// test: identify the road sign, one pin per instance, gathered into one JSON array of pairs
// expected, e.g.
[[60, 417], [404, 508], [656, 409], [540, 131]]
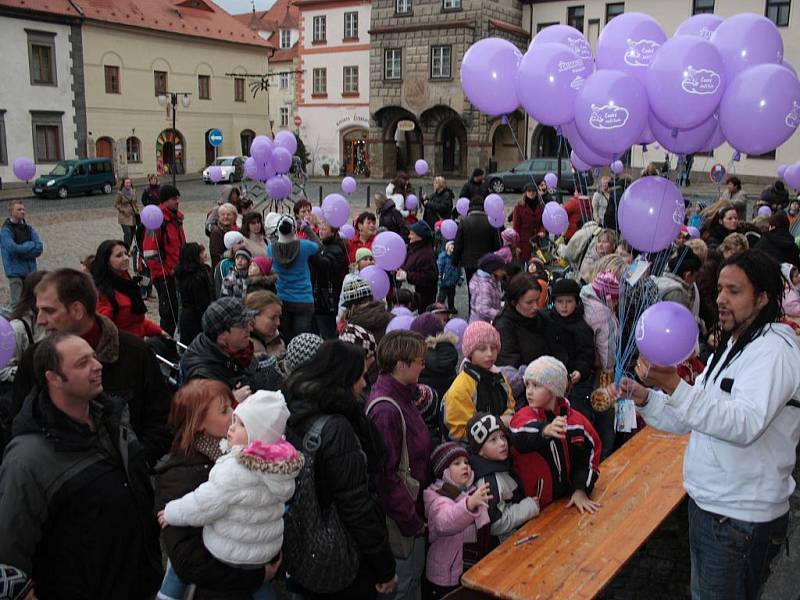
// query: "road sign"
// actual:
[[215, 137], [298, 121], [717, 173]]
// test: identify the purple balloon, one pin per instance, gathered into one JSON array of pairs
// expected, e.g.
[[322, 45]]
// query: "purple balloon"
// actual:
[[400, 310], [551, 179], [792, 176], [251, 168], [274, 187], [760, 109], [685, 82], [335, 210], [617, 167], [746, 40], [629, 43], [317, 212], [8, 342], [647, 136], [24, 168], [215, 174], [261, 148], [389, 250], [557, 74], [462, 206], [702, 26], [347, 232], [152, 217], [764, 211], [458, 327], [400, 323], [281, 159], [611, 112], [789, 66], [449, 229], [578, 163], [493, 205], [286, 139], [554, 218], [412, 202], [488, 73], [496, 221], [685, 141], [694, 232], [582, 150], [666, 333], [564, 34], [782, 170], [716, 140], [348, 185], [378, 281], [651, 213], [421, 167]]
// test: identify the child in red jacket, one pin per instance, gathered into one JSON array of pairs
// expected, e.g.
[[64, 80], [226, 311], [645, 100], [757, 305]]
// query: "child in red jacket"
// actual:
[[556, 450]]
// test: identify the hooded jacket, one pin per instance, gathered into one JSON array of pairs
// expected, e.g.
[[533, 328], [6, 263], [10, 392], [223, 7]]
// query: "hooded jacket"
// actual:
[[474, 238], [780, 245], [672, 288], [604, 323], [391, 218], [485, 297], [373, 317], [524, 339], [161, 248], [462, 400], [449, 274], [20, 246], [290, 264], [195, 292], [441, 362]]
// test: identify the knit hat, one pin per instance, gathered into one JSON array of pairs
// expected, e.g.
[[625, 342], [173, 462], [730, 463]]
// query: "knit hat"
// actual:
[[444, 455], [606, 285], [264, 264], [422, 229], [357, 335], [225, 313], [264, 415], [480, 427], [427, 325], [550, 373], [301, 350], [355, 291], [286, 229], [449, 246], [14, 583], [363, 253], [490, 263], [166, 192], [243, 252], [509, 236], [565, 287], [477, 334], [515, 380]]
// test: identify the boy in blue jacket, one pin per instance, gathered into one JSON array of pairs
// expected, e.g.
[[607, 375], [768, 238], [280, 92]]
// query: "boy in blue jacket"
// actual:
[[450, 276]]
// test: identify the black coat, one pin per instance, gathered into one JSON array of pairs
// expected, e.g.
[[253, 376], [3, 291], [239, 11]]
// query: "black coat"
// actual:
[[421, 271], [439, 206], [392, 219], [472, 189], [328, 269], [441, 362], [196, 292], [524, 339], [175, 476], [474, 238], [578, 341], [780, 245]]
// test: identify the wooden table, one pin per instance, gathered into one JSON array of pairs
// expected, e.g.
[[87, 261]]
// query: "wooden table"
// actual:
[[576, 556]]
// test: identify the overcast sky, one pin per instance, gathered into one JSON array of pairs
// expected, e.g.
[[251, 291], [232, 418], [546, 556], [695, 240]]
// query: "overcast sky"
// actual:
[[241, 6]]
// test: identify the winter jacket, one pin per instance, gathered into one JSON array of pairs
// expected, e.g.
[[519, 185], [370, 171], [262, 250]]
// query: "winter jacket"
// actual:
[[328, 270], [439, 206], [526, 219], [485, 295], [672, 288], [472, 188], [599, 206], [355, 244], [175, 476], [577, 340], [409, 514], [235, 284], [420, 268], [604, 323], [577, 249], [780, 245], [216, 242], [579, 209], [162, 248], [462, 400], [20, 246], [441, 362], [150, 195], [524, 339], [551, 468], [714, 233], [397, 198], [373, 317], [474, 238], [127, 210], [73, 500], [125, 319], [195, 293], [450, 525], [290, 264], [508, 508], [391, 219], [450, 275], [241, 505], [130, 372], [739, 201]]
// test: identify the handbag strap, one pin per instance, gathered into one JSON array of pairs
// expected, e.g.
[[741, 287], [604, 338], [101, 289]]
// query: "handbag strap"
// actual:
[[403, 467], [313, 437]]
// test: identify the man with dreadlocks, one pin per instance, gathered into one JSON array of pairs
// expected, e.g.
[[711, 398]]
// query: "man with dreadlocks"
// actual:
[[743, 413]]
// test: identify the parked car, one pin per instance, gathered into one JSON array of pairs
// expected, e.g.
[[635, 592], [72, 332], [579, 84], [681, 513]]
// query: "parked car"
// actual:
[[232, 168], [81, 176], [516, 178]]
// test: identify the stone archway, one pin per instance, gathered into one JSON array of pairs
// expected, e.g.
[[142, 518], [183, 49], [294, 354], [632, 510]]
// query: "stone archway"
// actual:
[[354, 153], [447, 130], [170, 145], [400, 141], [544, 142]]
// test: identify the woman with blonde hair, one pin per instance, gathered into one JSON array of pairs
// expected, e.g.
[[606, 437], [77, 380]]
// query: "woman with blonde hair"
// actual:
[[734, 243], [226, 221], [265, 335]]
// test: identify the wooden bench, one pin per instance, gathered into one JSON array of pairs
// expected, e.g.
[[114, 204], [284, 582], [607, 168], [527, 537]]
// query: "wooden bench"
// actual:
[[576, 556]]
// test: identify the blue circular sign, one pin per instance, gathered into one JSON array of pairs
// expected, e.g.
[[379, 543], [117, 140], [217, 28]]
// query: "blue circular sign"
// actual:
[[215, 137]]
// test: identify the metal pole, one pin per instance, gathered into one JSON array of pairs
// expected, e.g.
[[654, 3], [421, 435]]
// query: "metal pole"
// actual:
[[320, 195], [174, 100], [369, 195]]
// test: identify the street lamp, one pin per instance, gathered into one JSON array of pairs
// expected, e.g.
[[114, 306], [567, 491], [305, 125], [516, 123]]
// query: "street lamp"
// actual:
[[171, 98]]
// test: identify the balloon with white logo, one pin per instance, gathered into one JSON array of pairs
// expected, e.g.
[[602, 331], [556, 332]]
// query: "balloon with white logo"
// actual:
[[630, 42], [569, 36], [746, 40]]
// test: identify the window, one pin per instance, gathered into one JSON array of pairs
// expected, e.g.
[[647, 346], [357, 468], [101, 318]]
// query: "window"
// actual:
[[3, 150], [392, 63], [320, 82], [133, 148], [247, 136], [766, 156], [700, 7], [238, 89], [48, 139], [112, 79], [42, 57], [283, 81], [350, 81], [540, 26], [204, 87], [160, 78], [451, 5], [286, 38], [319, 29], [402, 7], [284, 111], [614, 9], [778, 12], [575, 17], [350, 25], [440, 62]]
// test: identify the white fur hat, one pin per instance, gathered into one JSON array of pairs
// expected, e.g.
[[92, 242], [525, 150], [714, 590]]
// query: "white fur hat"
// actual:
[[264, 415]]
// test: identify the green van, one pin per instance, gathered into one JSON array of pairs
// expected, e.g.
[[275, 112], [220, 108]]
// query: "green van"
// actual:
[[81, 176]]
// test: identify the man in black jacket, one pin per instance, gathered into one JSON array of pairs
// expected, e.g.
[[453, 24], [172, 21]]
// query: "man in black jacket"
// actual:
[[474, 238], [439, 205], [476, 186], [75, 494]]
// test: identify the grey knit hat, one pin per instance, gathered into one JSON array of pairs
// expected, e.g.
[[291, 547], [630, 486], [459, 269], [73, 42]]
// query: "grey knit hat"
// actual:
[[301, 350]]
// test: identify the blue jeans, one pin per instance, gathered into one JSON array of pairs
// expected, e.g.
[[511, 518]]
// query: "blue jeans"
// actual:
[[731, 558], [296, 321], [172, 588]]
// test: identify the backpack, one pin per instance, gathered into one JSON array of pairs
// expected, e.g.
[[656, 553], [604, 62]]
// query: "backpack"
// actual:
[[318, 552]]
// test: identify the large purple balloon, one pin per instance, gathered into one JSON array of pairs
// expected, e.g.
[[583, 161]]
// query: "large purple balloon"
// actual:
[[746, 40], [666, 333], [335, 210], [348, 185], [760, 109], [261, 148], [24, 168], [251, 168], [488, 73], [347, 232], [411, 202], [378, 281], [152, 217], [611, 112], [551, 179], [317, 212], [790, 66], [8, 342], [578, 162], [587, 155], [792, 176], [449, 229], [647, 136], [286, 139], [421, 167], [564, 34], [458, 327], [281, 159], [617, 167], [683, 141], [274, 186], [554, 218], [651, 213], [389, 250], [782, 170], [702, 26], [215, 174], [400, 323], [716, 140], [496, 221], [685, 82], [557, 74], [462, 206], [493, 205], [629, 43]]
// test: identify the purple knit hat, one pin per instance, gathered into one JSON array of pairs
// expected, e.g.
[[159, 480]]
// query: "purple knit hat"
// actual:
[[606, 285], [444, 455], [427, 325]]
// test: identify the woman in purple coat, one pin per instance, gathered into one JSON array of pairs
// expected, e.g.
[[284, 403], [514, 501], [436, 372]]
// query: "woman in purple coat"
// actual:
[[420, 267]]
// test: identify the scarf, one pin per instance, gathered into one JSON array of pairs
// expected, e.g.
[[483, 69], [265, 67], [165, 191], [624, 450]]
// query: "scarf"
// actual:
[[492, 396], [242, 357], [20, 231], [93, 336], [127, 193], [125, 285], [208, 446]]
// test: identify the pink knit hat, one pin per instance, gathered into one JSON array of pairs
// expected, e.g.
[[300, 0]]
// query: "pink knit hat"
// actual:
[[264, 264], [606, 285], [509, 236], [477, 334]]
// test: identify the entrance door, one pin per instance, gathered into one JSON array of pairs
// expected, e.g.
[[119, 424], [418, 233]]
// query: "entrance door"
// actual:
[[211, 152], [354, 149], [545, 142], [104, 148], [170, 148]]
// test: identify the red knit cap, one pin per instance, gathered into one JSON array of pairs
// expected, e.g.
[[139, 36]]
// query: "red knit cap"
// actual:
[[477, 334]]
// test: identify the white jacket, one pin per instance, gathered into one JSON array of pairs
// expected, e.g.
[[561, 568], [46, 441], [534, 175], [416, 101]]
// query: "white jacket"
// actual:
[[741, 451], [512, 515], [240, 507]]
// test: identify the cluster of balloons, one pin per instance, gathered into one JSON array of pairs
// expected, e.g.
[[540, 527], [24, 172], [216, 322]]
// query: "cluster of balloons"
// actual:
[[790, 174], [24, 168], [714, 81], [270, 160]]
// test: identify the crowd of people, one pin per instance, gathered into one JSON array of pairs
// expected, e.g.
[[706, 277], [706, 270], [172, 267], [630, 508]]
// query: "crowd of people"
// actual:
[[275, 433]]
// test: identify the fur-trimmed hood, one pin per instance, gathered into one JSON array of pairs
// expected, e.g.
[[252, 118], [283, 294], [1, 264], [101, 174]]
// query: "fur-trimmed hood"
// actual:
[[446, 336]]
